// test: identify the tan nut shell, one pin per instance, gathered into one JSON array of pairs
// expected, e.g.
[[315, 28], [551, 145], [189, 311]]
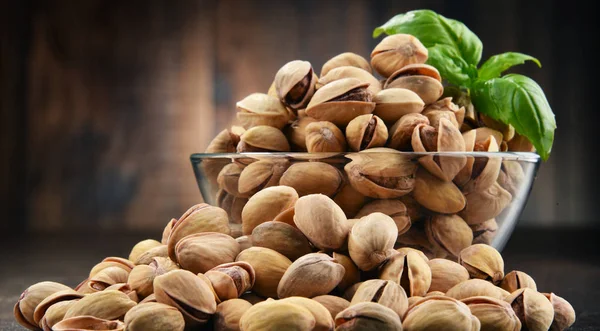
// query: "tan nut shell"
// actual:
[[484, 233], [493, 314], [287, 79], [367, 316], [515, 280], [296, 132], [371, 240], [261, 109], [312, 178], [141, 248], [349, 199], [55, 314], [30, 298], [410, 271], [481, 172], [437, 195], [391, 207], [447, 109], [269, 266], [351, 72], [277, 315], [393, 103], [343, 60], [263, 138], [108, 304], [383, 292], [231, 280], [351, 274], [282, 238], [201, 252], [229, 177], [427, 88], [259, 175], [321, 221], [564, 314], [448, 234], [338, 112], [228, 314], [324, 136], [483, 261], [265, 205], [445, 274], [533, 309], [511, 177], [484, 205], [60, 296], [332, 303], [476, 287], [366, 131], [401, 132], [439, 313], [311, 275], [154, 316], [85, 323], [395, 52]]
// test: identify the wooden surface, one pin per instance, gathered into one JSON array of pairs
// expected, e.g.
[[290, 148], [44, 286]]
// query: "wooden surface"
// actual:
[[565, 262]]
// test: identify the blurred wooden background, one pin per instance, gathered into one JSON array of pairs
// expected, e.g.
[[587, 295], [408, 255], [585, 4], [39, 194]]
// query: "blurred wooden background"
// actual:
[[104, 101]]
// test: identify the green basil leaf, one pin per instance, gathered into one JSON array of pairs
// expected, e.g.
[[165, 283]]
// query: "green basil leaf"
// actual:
[[497, 64], [450, 65], [518, 100], [434, 29]]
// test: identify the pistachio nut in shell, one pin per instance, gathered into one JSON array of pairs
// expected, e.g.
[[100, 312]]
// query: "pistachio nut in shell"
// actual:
[[231, 280], [112, 261], [199, 218], [351, 72], [534, 310], [520, 144], [511, 177], [350, 291], [391, 207], [326, 137], [286, 216], [201, 252], [484, 233], [395, 52], [422, 79], [479, 173], [449, 234], [259, 175], [382, 175], [400, 134], [60, 296], [277, 315], [265, 205], [85, 323], [445, 274], [55, 314], [393, 103], [439, 313], [409, 271], [148, 256], [263, 138], [323, 319], [295, 83], [436, 194], [406, 250], [269, 266], [229, 178], [332, 303], [341, 101], [515, 280], [107, 277], [367, 316], [483, 261], [225, 142], [106, 305], [154, 316], [366, 131], [311, 275], [234, 206], [442, 108], [141, 278], [169, 227], [493, 314], [476, 287], [261, 109], [30, 298], [416, 238], [351, 274], [349, 199], [371, 240], [228, 314], [507, 130], [282, 238], [383, 292], [296, 133], [141, 247], [344, 60], [312, 178], [564, 314], [321, 220], [125, 288], [484, 205]]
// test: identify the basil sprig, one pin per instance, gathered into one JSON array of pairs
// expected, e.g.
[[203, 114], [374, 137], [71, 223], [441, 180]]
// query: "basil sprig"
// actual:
[[456, 52]]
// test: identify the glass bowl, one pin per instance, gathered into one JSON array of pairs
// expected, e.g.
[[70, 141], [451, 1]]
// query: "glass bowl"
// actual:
[[487, 191]]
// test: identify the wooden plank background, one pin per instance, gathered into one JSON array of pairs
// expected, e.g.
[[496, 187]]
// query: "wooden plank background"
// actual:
[[104, 101]]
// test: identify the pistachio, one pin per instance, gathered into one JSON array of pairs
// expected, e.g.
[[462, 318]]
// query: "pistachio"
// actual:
[[263, 138], [414, 299], [413, 208], [476, 287], [367, 316], [259, 175], [286, 216], [323, 319], [265, 205], [269, 267], [511, 177], [422, 79], [228, 314], [109, 305], [154, 317], [520, 144], [515, 280], [439, 313], [448, 234], [229, 178], [351, 274], [312, 178], [261, 109], [481, 206], [244, 242], [401, 132], [564, 314], [343, 60], [483, 261], [507, 130], [107, 277], [383, 292], [324, 136], [395, 52], [49, 301], [350, 291], [296, 133], [484, 233], [480, 172], [366, 131], [533, 309], [85, 323], [252, 298], [371, 240], [54, 314], [382, 175], [351, 72], [231, 280], [141, 278], [311, 275], [393, 103], [30, 298], [150, 298], [295, 84], [493, 314], [445, 108], [277, 315], [445, 274], [340, 101], [201, 252], [321, 221], [436, 194], [406, 250], [409, 271], [332, 303], [281, 237], [225, 142], [167, 231], [142, 247], [393, 208], [349, 199], [148, 256], [434, 293], [416, 238], [112, 261], [125, 288]]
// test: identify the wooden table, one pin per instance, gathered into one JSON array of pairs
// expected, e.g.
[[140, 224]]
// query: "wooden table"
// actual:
[[566, 262]]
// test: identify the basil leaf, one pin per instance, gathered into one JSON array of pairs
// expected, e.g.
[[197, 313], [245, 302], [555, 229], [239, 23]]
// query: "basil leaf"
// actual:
[[450, 65], [519, 101], [497, 64], [433, 29]]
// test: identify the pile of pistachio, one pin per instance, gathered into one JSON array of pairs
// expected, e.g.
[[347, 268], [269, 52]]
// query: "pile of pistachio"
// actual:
[[316, 270]]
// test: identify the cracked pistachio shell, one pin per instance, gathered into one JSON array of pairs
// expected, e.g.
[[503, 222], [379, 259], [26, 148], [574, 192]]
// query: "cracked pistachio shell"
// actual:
[[413, 209], [507, 130], [167, 231], [344, 60], [228, 314], [190, 294], [515, 280], [393, 103], [484, 233], [484, 205], [448, 234], [225, 142], [439, 313], [422, 79], [381, 175], [30, 298], [54, 314], [229, 178], [85, 323], [326, 106], [494, 314], [311, 275], [125, 288], [323, 319], [371, 240], [437, 195], [367, 316], [351, 72], [520, 144], [295, 83], [406, 250], [263, 138], [483, 261], [312, 178], [349, 199], [154, 316], [234, 206], [198, 219], [397, 51], [265, 205], [384, 292], [142, 247], [324, 136], [366, 131], [410, 271], [443, 138], [281, 237], [261, 109], [564, 314], [201, 252], [447, 109], [321, 221], [350, 291], [296, 133], [277, 315], [332, 303], [393, 208], [476, 287], [112, 261], [269, 266], [511, 177], [231, 280], [259, 175], [402, 131], [534, 310], [107, 277], [60, 296], [445, 274], [351, 274], [147, 256], [479, 173], [108, 304]]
